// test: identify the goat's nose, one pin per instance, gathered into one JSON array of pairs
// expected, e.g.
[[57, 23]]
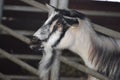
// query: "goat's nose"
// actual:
[[34, 40]]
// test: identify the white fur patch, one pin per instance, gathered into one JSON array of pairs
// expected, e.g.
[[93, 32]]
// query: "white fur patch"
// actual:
[[44, 61], [51, 16], [53, 38], [48, 53], [39, 33]]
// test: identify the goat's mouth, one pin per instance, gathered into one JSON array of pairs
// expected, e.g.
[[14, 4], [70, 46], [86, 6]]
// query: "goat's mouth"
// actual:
[[36, 47], [36, 44]]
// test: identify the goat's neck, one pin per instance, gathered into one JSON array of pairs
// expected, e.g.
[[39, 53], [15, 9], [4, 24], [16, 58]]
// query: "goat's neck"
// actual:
[[83, 45]]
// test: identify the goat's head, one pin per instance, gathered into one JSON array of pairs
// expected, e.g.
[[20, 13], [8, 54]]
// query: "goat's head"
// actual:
[[58, 29], [58, 32]]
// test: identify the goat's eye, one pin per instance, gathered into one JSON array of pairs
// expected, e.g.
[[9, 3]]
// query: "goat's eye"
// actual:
[[58, 24]]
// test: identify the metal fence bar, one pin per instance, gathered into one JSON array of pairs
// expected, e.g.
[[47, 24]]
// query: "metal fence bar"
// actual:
[[22, 32], [55, 70], [3, 77], [36, 57], [25, 77], [19, 62], [63, 4], [54, 73], [87, 12], [13, 33], [101, 13], [22, 8], [106, 31], [22, 77], [97, 27], [36, 4], [83, 68]]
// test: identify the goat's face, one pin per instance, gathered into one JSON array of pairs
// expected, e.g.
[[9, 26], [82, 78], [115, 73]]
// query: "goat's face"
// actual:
[[59, 29]]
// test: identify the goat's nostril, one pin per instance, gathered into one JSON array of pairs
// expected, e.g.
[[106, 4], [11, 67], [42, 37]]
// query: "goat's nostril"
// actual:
[[35, 39]]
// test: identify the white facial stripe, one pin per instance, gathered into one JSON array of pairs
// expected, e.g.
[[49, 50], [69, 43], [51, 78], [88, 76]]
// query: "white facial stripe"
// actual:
[[53, 38]]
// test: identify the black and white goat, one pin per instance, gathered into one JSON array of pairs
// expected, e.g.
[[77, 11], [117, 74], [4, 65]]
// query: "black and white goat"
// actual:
[[72, 30]]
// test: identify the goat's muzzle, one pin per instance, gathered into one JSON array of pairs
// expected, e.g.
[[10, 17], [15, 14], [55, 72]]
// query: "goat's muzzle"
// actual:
[[36, 44]]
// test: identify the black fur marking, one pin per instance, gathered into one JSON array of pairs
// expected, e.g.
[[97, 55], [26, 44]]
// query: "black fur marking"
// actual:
[[71, 21], [71, 13], [64, 29], [54, 18], [52, 59], [65, 22]]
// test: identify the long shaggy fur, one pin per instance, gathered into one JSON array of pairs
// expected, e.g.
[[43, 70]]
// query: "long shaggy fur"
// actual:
[[106, 54]]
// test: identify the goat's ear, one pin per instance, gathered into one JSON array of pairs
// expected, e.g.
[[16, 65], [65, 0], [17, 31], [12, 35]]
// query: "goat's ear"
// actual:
[[50, 7]]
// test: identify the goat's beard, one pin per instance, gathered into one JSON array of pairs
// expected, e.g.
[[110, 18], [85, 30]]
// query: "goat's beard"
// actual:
[[46, 62]]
